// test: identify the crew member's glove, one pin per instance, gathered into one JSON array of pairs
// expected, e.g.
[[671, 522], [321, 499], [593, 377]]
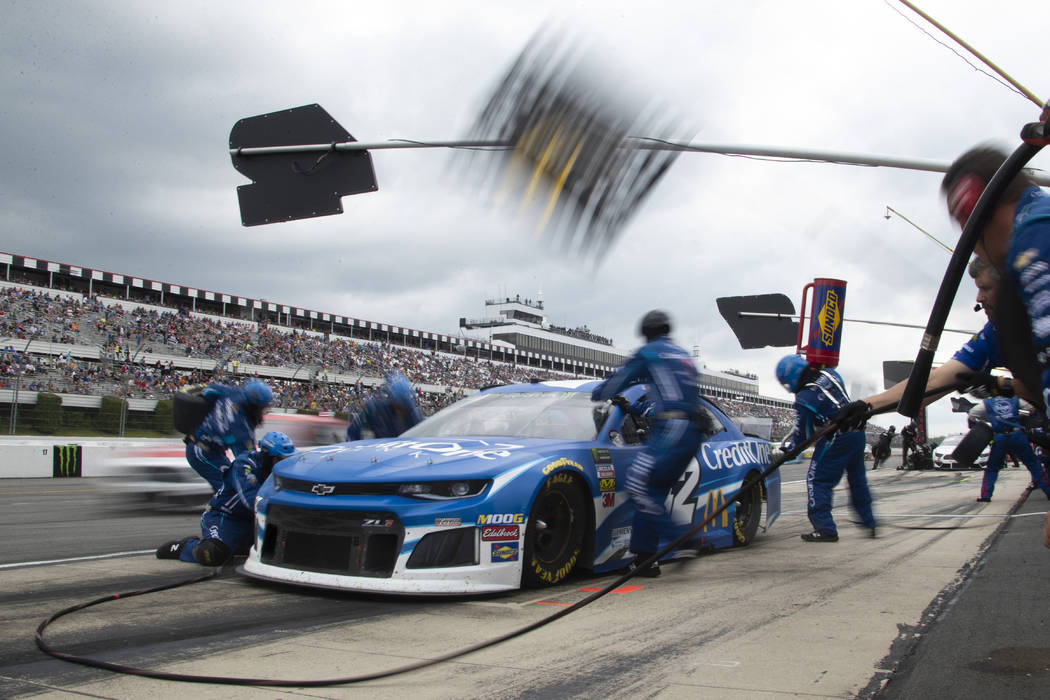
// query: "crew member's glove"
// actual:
[[984, 385], [852, 416], [621, 401]]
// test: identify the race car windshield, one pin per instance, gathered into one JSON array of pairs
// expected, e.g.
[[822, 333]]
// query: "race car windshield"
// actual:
[[555, 415]]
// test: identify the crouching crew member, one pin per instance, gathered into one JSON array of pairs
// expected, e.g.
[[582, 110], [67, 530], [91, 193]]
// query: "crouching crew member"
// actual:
[[230, 425], [675, 437], [227, 525], [819, 396], [1004, 416]]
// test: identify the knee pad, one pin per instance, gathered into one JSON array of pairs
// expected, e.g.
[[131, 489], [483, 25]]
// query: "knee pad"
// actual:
[[212, 552]]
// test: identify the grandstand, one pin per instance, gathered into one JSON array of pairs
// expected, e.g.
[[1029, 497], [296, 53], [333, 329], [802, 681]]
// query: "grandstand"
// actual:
[[84, 334]]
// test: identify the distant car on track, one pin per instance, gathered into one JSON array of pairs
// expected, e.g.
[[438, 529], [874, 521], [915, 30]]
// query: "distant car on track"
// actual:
[[513, 486], [942, 454], [159, 476]]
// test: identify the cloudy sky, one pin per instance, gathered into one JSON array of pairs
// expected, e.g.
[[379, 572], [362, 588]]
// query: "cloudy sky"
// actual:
[[116, 120]]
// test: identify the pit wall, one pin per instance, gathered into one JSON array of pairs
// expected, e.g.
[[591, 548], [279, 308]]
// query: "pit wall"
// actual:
[[70, 457]]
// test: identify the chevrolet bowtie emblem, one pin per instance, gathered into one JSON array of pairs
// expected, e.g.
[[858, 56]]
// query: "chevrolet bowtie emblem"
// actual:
[[322, 489]]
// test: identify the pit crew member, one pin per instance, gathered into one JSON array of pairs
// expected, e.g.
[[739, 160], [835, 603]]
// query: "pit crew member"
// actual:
[[1003, 414], [819, 396], [676, 431], [228, 521], [229, 426], [390, 415]]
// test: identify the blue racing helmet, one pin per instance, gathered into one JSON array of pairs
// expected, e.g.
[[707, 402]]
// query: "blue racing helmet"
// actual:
[[789, 371], [400, 389], [278, 445], [257, 393]]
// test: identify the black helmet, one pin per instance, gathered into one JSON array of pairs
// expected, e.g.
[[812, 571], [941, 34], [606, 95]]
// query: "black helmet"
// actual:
[[654, 324]]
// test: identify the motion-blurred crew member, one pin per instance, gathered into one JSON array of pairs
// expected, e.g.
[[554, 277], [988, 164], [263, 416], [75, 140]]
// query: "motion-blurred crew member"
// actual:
[[388, 415], [675, 437], [227, 525], [229, 426], [880, 451]]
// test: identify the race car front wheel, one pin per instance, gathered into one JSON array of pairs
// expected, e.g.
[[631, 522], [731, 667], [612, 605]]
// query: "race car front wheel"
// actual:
[[555, 531], [748, 514]]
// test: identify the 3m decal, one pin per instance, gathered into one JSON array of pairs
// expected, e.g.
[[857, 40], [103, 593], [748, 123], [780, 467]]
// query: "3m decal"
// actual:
[[608, 500], [504, 552], [500, 533]]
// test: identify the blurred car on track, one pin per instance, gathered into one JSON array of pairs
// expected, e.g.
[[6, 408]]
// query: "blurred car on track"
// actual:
[[513, 486], [156, 474]]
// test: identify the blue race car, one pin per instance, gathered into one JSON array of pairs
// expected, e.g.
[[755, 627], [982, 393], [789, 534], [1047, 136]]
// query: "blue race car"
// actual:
[[513, 486]]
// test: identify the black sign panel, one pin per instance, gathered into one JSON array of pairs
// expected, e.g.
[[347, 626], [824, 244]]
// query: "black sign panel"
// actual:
[[297, 185], [760, 331]]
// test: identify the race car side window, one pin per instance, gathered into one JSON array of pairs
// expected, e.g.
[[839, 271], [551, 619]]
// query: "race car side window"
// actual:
[[634, 429], [710, 424]]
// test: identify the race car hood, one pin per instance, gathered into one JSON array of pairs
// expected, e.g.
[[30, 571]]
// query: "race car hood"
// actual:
[[401, 459]]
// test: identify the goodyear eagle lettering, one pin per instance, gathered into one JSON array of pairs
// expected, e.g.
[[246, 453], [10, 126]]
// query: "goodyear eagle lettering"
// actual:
[[563, 462]]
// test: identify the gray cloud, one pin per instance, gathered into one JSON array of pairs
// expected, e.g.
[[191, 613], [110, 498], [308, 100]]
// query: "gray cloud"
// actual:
[[117, 114]]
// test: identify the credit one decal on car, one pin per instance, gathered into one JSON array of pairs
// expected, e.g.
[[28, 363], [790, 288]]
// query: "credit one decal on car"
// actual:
[[736, 455]]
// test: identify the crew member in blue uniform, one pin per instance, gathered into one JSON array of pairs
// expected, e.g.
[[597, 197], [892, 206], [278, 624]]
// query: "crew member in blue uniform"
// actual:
[[1003, 414], [1016, 241], [228, 521], [973, 362], [676, 433], [819, 395], [229, 426], [388, 415]]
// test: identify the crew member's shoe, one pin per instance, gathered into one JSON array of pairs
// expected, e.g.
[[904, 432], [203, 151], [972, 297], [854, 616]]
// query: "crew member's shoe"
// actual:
[[874, 533], [820, 537], [171, 550], [982, 499], [651, 571]]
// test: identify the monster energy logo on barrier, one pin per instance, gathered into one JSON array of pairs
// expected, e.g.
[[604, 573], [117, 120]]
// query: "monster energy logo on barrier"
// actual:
[[66, 460]]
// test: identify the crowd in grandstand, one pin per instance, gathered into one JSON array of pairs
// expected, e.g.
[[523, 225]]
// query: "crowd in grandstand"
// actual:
[[125, 335]]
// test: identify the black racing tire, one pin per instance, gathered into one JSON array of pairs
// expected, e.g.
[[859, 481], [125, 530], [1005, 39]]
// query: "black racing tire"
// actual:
[[554, 535], [748, 515]]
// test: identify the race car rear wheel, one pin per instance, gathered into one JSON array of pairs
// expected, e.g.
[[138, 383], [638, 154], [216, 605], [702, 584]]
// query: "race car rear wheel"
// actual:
[[748, 514], [555, 532]]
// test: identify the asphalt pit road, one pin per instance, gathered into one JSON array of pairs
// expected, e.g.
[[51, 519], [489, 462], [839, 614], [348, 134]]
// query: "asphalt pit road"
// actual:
[[1015, 660]]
